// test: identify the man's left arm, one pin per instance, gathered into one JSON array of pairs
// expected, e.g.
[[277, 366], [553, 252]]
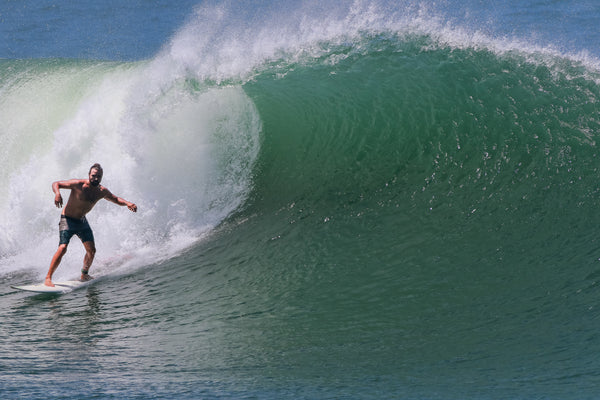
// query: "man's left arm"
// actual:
[[117, 200]]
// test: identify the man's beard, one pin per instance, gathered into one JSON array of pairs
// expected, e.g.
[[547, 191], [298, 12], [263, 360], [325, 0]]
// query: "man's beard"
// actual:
[[94, 183]]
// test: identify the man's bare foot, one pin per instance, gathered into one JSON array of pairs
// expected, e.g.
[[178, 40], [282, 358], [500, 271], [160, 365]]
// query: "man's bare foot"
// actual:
[[48, 282], [86, 277]]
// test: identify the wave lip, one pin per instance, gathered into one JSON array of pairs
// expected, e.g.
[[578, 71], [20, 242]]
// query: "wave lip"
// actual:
[[224, 44]]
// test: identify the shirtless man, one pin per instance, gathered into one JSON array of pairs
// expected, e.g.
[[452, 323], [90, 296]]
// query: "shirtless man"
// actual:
[[85, 193]]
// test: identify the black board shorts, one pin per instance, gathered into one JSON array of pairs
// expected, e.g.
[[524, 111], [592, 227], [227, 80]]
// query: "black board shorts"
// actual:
[[67, 227]]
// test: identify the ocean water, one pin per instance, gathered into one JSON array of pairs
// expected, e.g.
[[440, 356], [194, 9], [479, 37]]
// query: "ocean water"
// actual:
[[356, 200]]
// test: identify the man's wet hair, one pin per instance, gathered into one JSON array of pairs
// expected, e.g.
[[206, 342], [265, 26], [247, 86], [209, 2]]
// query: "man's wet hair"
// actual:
[[96, 166]]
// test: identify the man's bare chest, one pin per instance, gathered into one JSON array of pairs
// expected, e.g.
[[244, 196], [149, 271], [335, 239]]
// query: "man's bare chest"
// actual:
[[86, 195]]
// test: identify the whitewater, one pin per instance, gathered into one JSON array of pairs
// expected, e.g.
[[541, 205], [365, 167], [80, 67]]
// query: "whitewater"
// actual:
[[360, 200]]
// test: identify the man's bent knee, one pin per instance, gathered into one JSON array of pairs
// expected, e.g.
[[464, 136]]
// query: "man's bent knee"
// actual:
[[90, 248]]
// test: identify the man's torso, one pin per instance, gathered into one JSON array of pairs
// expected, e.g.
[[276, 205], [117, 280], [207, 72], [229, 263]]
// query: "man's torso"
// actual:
[[82, 199]]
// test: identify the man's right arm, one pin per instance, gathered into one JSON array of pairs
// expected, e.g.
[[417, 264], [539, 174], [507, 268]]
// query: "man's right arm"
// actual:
[[56, 186]]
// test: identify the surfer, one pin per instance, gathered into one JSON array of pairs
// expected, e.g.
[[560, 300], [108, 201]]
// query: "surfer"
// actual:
[[85, 193]]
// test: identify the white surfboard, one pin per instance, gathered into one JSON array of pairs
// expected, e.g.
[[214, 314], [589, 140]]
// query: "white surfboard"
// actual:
[[59, 287]]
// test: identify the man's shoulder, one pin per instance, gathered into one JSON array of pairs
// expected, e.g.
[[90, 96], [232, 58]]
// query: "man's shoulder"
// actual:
[[71, 183], [104, 190], [108, 192]]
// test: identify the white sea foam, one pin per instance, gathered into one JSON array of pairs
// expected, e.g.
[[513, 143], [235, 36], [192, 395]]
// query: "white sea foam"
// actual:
[[219, 44], [182, 154]]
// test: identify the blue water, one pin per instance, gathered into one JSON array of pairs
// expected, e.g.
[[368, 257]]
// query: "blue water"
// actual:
[[352, 200]]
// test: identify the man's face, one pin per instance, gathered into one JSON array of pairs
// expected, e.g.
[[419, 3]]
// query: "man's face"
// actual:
[[95, 177]]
